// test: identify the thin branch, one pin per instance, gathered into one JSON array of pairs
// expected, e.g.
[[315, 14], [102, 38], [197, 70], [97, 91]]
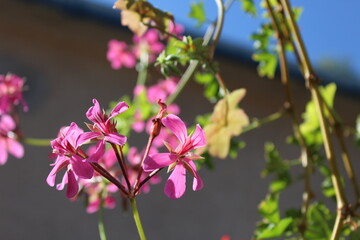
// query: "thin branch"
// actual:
[[122, 164], [98, 168], [305, 152], [312, 82]]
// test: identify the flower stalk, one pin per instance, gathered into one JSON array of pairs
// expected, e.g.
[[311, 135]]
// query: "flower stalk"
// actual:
[[137, 219]]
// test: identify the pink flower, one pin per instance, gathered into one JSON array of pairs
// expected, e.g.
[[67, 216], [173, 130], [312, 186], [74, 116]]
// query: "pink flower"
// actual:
[[162, 90], [11, 87], [135, 159], [138, 125], [94, 205], [103, 128], [149, 43], [179, 159], [119, 55], [176, 29], [69, 156], [96, 188], [8, 142]]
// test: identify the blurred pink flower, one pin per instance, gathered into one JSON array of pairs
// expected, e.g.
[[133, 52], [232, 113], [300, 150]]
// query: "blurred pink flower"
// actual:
[[138, 125], [162, 90], [96, 188], [11, 88], [148, 43], [8, 143], [179, 159], [134, 159], [119, 55], [176, 29]]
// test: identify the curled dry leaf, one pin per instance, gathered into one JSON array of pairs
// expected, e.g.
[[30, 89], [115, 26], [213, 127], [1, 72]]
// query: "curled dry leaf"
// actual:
[[139, 15]]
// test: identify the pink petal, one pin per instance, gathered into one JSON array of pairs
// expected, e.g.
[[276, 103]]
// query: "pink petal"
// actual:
[[3, 151], [94, 112], [87, 136], [176, 184], [159, 160], [198, 137], [64, 181], [82, 169], [59, 164], [98, 153], [119, 108], [197, 182], [110, 202], [7, 123], [93, 206], [15, 148], [176, 125], [115, 138], [72, 187]]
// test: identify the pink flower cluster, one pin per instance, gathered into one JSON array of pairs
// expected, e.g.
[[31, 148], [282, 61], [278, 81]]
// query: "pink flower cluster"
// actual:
[[120, 54], [95, 171], [161, 90], [11, 88]]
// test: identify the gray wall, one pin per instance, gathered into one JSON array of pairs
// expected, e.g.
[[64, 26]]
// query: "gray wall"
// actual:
[[63, 58]]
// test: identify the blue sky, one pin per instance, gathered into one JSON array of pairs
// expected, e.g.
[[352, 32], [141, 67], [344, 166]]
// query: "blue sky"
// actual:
[[330, 28]]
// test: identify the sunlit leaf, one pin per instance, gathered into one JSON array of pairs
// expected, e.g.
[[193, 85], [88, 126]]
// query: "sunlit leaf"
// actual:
[[357, 134], [197, 12], [320, 222], [267, 64], [276, 230], [269, 208], [249, 7], [310, 128]]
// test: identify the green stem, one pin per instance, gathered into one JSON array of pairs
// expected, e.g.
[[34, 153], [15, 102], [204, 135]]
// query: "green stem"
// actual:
[[137, 219], [142, 68], [261, 122], [101, 225], [37, 142], [222, 8]]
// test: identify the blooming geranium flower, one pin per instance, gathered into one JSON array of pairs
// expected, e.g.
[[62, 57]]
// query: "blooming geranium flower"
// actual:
[[119, 55], [7, 141], [69, 156], [226, 121], [178, 159], [104, 128], [11, 87]]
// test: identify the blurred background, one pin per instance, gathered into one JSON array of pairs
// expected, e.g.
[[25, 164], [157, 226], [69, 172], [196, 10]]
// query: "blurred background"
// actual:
[[60, 47]]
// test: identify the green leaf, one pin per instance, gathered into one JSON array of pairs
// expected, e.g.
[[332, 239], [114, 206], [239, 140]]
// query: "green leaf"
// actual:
[[197, 12], [276, 230], [357, 134], [267, 64], [204, 78], [297, 12], [320, 222], [249, 7], [269, 208], [355, 235], [275, 164], [310, 128]]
